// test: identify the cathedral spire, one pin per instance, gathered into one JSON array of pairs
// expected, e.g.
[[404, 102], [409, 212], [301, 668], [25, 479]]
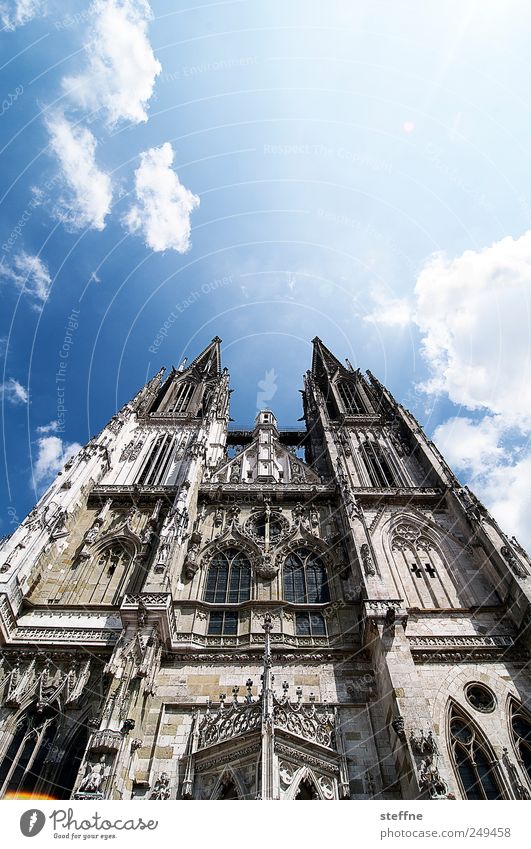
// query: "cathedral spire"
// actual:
[[323, 360], [208, 362]]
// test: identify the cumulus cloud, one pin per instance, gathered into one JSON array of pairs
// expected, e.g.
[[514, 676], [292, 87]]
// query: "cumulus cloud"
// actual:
[[471, 446], [13, 392], [30, 275], [49, 428], [164, 205], [52, 455], [20, 12], [475, 318], [389, 311], [89, 192], [474, 315], [121, 68]]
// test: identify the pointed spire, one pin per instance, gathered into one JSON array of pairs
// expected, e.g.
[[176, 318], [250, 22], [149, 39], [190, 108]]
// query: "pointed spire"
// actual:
[[208, 361], [324, 360]]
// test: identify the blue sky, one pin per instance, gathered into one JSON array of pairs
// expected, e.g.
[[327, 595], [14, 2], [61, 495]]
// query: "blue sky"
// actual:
[[267, 171]]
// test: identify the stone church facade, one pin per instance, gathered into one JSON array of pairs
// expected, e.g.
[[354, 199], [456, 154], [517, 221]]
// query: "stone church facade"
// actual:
[[194, 611]]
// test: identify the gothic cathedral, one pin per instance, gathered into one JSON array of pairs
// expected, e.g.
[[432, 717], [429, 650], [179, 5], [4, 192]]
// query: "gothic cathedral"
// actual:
[[197, 611]]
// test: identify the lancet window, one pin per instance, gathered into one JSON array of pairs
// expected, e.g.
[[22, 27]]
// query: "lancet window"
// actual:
[[377, 464], [305, 578], [350, 398], [473, 761], [228, 582], [159, 461]]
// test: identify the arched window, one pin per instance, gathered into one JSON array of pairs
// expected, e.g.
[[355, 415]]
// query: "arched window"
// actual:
[[521, 735], [306, 791], [472, 759], [24, 759], [229, 578], [158, 462], [182, 397], [108, 571], [377, 465], [349, 398], [305, 578]]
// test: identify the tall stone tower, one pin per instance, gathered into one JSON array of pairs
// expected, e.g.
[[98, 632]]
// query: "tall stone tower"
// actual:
[[195, 611]]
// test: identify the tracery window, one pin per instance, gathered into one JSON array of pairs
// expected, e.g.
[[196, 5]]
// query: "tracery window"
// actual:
[[267, 528], [32, 744], [521, 735], [377, 464], [113, 557], [472, 759], [350, 398], [229, 578], [305, 578]]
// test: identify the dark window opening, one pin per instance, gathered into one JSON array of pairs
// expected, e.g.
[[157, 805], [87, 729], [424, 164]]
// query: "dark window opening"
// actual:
[[310, 624], [223, 623]]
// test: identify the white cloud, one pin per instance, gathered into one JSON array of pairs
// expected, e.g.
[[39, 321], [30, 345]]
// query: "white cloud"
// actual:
[[14, 392], [89, 189], [474, 313], [49, 428], [53, 454], [389, 311], [471, 446], [20, 12], [29, 274], [121, 69], [507, 492], [474, 316], [162, 213]]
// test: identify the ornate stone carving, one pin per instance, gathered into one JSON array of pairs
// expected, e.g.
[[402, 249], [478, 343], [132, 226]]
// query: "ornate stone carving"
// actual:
[[512, 560], [161, 788], [92, 781], [430, 779], [265, 567], [366, 558]]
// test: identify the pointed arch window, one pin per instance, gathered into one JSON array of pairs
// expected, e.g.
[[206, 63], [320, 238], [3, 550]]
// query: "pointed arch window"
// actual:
[[350, 398], [305, 578], [182, 397], [473, 761], [24, 759], [229, 578], [34, 745], [521, 736], [158, 462], [378, 466]]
